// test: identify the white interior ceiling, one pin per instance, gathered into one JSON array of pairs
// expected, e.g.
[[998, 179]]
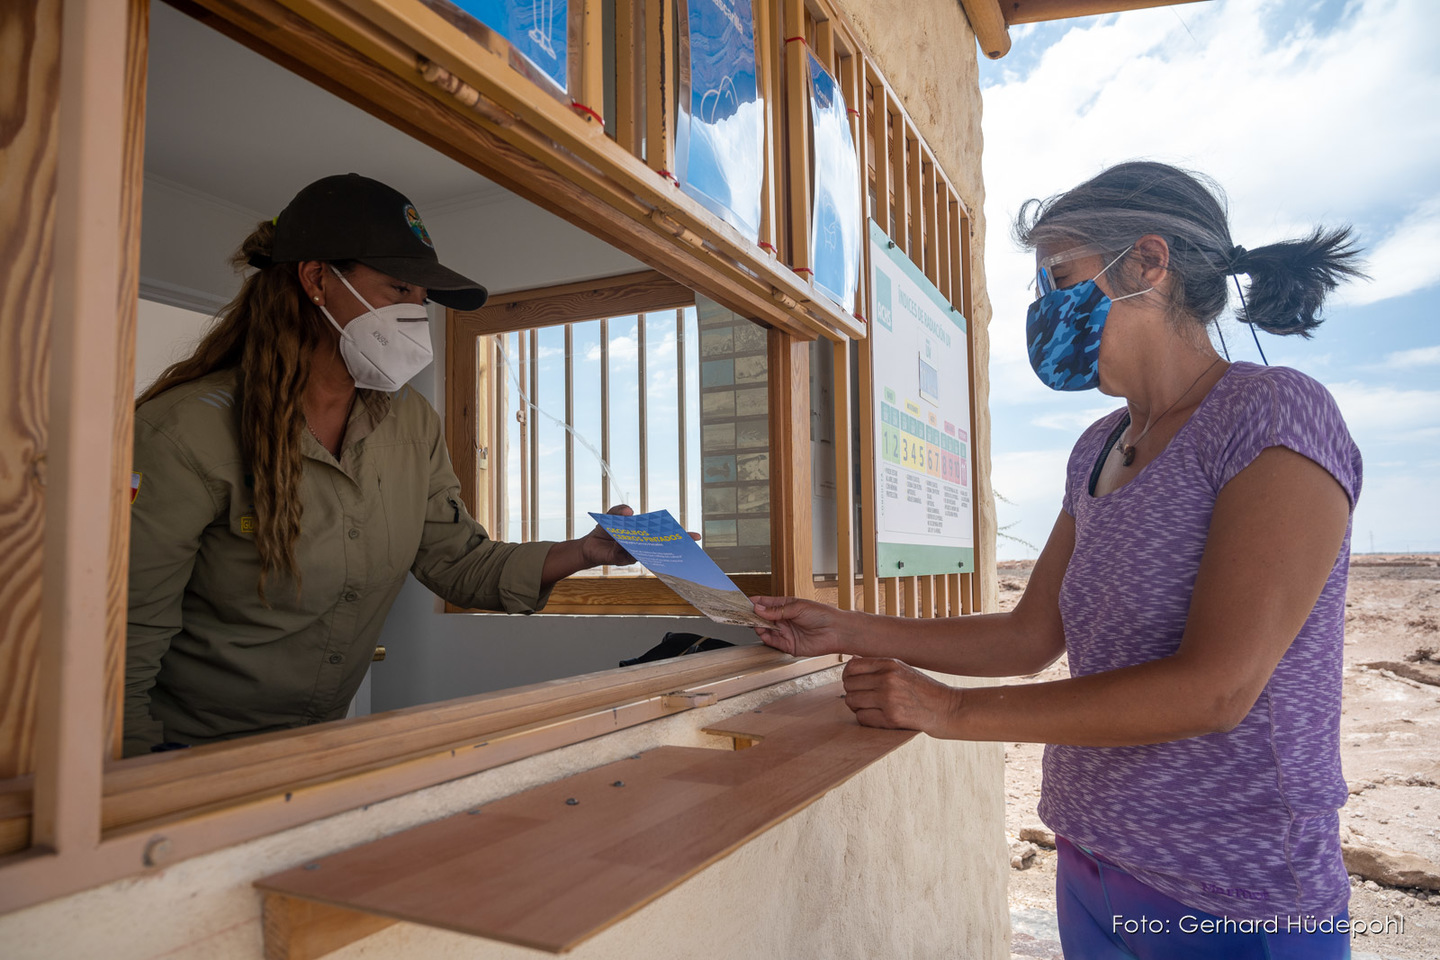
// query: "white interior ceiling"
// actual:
[[230, 137]]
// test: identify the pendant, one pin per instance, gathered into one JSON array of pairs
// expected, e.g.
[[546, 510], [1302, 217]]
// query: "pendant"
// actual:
[[1127, 455]]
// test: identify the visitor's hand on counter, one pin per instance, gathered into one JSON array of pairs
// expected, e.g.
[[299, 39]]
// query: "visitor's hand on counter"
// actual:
[[891, 694]]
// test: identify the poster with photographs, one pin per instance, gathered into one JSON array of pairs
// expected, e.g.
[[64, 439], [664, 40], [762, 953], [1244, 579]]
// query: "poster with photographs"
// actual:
[[925, 520], [536, 30], [835, 217]]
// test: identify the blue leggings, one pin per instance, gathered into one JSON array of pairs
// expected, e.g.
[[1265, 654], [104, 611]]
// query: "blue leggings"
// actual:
[[1106, 914]]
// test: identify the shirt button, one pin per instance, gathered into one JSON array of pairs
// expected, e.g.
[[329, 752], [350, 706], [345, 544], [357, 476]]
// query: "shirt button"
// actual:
[[337, 658], [354, 534], [350, 596]]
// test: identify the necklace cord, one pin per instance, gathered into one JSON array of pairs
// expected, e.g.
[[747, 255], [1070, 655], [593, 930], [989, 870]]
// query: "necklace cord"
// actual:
[[1127, 450]]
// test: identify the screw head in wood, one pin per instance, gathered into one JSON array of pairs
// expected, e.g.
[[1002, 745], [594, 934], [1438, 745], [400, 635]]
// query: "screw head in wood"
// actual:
[[572, 802], [618, 783], [157, 851]]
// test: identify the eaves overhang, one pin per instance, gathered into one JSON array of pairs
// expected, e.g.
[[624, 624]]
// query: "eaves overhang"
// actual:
[[991, 19]]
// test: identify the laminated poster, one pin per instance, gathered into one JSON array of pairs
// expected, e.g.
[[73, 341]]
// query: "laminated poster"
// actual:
[[720, 133], [836, 218], [539, 30], [667, 551], [919, 348]]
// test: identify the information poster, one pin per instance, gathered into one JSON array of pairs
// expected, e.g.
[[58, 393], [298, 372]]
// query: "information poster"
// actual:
[[720, 133], [662, 545], [539, 30], [835, 218], [923, 480]]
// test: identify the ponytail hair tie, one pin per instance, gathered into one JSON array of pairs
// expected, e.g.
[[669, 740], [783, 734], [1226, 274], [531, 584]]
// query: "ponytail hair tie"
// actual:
[[1237, 260]]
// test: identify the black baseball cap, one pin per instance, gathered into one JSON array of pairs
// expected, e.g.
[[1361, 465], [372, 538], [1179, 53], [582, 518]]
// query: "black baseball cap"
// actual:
[[350, 217]]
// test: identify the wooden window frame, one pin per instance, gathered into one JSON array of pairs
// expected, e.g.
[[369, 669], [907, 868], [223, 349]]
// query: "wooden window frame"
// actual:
[[71, 819], [472, 425]]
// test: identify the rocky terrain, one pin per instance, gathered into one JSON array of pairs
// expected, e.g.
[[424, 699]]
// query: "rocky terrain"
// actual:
[[1390, 746]]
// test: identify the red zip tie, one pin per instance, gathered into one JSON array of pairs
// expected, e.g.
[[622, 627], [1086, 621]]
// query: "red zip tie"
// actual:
[[803, 270], [588, 111], [668, 176], [793, 39], [859, 316], [852, 111], [766, 247]]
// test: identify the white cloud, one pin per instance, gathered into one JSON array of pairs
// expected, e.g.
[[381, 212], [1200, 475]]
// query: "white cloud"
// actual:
[[1073, 421], [1407, 260], [1386, 414], [1410, 359]]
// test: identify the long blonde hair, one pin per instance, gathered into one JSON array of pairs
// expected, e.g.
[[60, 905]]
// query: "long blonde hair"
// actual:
[[267, 333]]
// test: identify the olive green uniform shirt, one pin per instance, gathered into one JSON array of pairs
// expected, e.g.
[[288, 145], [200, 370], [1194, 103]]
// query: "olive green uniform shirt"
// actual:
[[206, 658]]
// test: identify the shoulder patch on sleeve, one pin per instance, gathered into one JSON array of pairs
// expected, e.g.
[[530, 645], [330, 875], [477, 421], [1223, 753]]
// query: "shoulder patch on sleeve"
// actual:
[[135, 479]]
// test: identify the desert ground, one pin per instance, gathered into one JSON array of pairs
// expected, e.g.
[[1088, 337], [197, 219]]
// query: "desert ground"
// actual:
[[1390, 747]]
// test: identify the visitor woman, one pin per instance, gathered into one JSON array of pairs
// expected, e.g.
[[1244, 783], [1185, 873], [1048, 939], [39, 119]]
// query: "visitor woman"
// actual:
[[1194, 578]]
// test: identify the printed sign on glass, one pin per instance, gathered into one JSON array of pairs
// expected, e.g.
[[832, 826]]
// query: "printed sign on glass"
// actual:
[[539, 30], [835, 216], [920, 356], [720, 130]]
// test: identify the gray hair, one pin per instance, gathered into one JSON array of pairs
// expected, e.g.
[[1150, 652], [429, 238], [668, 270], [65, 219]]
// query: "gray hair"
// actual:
[[1288, 280]]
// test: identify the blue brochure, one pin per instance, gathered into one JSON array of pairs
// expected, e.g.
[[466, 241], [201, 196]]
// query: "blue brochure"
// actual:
[[667, 551]]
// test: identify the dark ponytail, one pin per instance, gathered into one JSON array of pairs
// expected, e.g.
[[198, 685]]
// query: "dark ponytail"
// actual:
[[1290, 280]]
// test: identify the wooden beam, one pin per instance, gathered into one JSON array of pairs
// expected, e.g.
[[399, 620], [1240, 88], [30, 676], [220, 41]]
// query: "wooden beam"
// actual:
[[797, 146], [1037, 11], [991, 30], [71, 715], [629, 122], [791, 531], [844, 481], [592, 61], [27, 260], [296, 929], [659, 89]]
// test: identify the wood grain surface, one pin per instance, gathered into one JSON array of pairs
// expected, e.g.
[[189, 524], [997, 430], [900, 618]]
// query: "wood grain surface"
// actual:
[[553, 866], [29, 137]]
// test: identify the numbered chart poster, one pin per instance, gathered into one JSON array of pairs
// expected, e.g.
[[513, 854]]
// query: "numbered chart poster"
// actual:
[[835, 219], [720, 128], [538, 30], [923, 481]]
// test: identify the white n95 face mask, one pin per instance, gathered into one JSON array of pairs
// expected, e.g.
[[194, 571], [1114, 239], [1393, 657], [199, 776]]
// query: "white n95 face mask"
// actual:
[[385, 346]]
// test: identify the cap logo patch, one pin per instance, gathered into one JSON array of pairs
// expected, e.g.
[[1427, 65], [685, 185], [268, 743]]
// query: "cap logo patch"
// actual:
[[412, 217]]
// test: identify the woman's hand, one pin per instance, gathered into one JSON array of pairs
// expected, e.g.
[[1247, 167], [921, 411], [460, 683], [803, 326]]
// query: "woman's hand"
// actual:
[[801, 628], [891, 694]]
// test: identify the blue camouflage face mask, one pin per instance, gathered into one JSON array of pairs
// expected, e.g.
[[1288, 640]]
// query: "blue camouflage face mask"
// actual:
[[1062, 333]]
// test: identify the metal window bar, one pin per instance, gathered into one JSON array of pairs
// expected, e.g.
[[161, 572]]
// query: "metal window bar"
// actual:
[[570, 437], [643, 388], [681, 418]]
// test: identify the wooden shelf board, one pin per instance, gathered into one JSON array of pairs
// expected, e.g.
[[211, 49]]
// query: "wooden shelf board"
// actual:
[[538, 870]]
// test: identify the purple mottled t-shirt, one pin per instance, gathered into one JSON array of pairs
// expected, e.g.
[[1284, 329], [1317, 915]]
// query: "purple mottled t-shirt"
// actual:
[[1242, 824]]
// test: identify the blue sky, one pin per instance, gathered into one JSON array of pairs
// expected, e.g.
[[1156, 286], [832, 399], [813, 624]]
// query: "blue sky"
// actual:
[[1305, 111]]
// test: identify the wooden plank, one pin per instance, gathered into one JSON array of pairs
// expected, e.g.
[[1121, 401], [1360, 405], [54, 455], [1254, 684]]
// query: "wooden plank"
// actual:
[[944, 237], [642, 387], [942, 596], [575, 302], [1038, 11], [681, 419], [659, 88], [910, 588], [29, 139], [592, 60], [768, 53], [71, 709], [899, 199], [791, 529], [303, 930], [463, 421], [927, 597], [870, 571], [628, 76], [892, 606], [932, 229], [844, 481], [880, 155], [797, 144], [553, 866], [132, 176], [569, 437], [915, 197]]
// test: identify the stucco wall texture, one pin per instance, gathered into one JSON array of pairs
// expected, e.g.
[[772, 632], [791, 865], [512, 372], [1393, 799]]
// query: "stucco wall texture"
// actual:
[[907, 859]]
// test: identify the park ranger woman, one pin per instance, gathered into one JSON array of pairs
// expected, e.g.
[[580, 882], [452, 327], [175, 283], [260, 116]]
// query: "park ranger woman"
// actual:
[[286, 480]]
